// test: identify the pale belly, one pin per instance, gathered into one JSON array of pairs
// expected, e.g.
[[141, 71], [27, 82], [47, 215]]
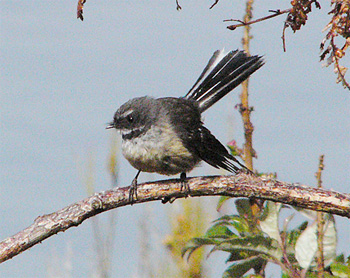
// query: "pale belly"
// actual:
[[159, 152]]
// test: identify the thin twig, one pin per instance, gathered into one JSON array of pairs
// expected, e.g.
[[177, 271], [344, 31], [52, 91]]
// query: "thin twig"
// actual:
[[178, 7], [244, 107], [284, 38], [245, 110], [241, 185], [212, 6], [319, 171], [276, 13], [320, 224], [285, 262]]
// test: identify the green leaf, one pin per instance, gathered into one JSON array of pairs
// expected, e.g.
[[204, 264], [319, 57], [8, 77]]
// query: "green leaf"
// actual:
[[311, 274], [306, 245], [294, 234], [239, 223], [340, 270], [329, 240], [221, 202], [227, 218], [197, 242], [233, 149], [340, 259], [239, 254], [269, 221], [244, 208], [240, 268], [219, 231], [258, 244]]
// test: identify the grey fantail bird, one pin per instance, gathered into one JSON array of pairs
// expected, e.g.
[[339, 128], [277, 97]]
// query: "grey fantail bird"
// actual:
[[167, 136]]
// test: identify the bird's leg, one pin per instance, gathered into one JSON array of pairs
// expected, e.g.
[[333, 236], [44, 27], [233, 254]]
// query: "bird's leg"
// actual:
[[184, 184], [133, 188]]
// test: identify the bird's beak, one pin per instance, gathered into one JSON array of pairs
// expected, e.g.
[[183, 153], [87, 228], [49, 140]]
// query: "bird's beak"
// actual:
[[110, 125]]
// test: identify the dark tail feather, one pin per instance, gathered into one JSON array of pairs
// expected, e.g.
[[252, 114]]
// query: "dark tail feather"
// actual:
[[222, 74]]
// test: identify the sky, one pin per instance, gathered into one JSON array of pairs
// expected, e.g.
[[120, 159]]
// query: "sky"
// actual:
[[63, 79]]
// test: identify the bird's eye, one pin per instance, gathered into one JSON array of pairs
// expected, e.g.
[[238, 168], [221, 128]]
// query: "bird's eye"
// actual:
[[130, 118]]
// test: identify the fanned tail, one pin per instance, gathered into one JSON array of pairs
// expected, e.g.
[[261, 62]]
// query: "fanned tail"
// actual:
[[222, 74]]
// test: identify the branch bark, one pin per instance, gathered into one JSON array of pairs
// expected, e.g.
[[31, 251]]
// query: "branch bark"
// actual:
[[241, 185]]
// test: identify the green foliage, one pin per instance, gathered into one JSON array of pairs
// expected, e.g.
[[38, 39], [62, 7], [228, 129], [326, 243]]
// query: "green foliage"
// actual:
[[222, 200], [248, 247], [187, 222], [240, 268], [341, 268], [254, 239]]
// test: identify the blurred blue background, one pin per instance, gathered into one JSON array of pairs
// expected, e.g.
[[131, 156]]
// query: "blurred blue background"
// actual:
[[62, 80]]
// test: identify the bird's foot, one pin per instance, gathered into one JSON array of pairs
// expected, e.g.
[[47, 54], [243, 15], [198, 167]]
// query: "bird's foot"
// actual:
[[184, 184], [133, 189]]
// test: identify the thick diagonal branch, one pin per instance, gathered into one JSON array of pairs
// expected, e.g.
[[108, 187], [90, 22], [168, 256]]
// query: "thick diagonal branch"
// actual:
[[241, 185]]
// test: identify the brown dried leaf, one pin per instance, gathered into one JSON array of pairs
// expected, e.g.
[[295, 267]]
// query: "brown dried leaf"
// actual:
[[80, 8]]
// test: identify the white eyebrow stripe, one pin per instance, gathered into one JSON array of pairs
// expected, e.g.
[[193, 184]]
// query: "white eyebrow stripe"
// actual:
[[126, 132], [127, 113]]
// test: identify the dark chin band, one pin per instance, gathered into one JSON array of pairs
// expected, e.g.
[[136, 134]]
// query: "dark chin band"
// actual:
[[134, 133]]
